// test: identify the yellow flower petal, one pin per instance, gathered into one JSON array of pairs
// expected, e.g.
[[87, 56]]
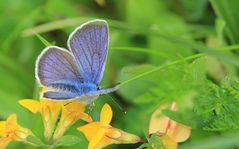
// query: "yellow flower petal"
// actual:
[[71, 113], [163, 125], [106, 115], [22, 133], [12, 118], [2, 128], [113, 133], [11, 123], [96, 139], [90, 129], [75, 106], [4, 142], [86, 117], [179, 133], [101, 134], [31, 105], [50, 111], [169, 143], [118, 136], [12, 131], [158, 122]]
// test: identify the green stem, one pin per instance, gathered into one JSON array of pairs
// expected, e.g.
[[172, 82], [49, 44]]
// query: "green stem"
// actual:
[[143, 146], [161, 67], [229, 48], [136, 49]]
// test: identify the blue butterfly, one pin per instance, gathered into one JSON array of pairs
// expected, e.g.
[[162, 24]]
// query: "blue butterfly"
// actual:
[[77, 73]]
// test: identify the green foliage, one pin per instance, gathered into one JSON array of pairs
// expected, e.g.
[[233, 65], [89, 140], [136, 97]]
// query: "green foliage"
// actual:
[[226, 11], [155, 142], [68, 140], [160, 52], [35, 141], [217, 106]]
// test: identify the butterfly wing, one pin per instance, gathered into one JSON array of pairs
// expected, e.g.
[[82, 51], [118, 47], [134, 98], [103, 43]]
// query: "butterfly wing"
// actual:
[[89, 44], [56, 69], [60, 95], [84, 98]]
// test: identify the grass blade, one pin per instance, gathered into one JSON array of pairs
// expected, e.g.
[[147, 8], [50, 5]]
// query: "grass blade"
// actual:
[[134, 28], [161, 67]]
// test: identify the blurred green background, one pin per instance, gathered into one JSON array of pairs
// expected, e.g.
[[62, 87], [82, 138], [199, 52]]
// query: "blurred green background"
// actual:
[[144, 34]]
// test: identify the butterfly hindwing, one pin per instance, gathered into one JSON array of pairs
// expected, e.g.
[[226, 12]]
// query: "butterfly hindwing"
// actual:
[[89, 44], [59, 95]]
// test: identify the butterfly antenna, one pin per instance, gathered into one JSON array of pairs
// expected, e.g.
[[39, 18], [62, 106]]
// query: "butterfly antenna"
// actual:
[[115, 102]]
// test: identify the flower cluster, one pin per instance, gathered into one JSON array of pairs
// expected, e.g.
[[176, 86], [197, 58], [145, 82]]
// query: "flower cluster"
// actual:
[[10, 130], [58, 117], [69, 113], [101, 134]]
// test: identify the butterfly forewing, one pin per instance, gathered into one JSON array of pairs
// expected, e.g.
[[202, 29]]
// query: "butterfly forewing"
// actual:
[[89, 44], [57, 68]]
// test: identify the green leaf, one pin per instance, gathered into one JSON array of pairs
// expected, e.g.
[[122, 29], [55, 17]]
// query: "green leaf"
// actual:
[[228, 11], [228, 141], [43, 40], [67, 140], [143, 146], [217, 106], [192, 10], [35, 141], [155, 142]]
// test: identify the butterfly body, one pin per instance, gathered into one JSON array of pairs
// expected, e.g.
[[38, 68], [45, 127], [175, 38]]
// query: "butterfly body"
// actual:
[[75, 73]]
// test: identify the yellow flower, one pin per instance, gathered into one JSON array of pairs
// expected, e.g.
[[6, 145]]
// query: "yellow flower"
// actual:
[[101, 134], [71, 112], [10, 130], [171, 131], [49, 110]]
